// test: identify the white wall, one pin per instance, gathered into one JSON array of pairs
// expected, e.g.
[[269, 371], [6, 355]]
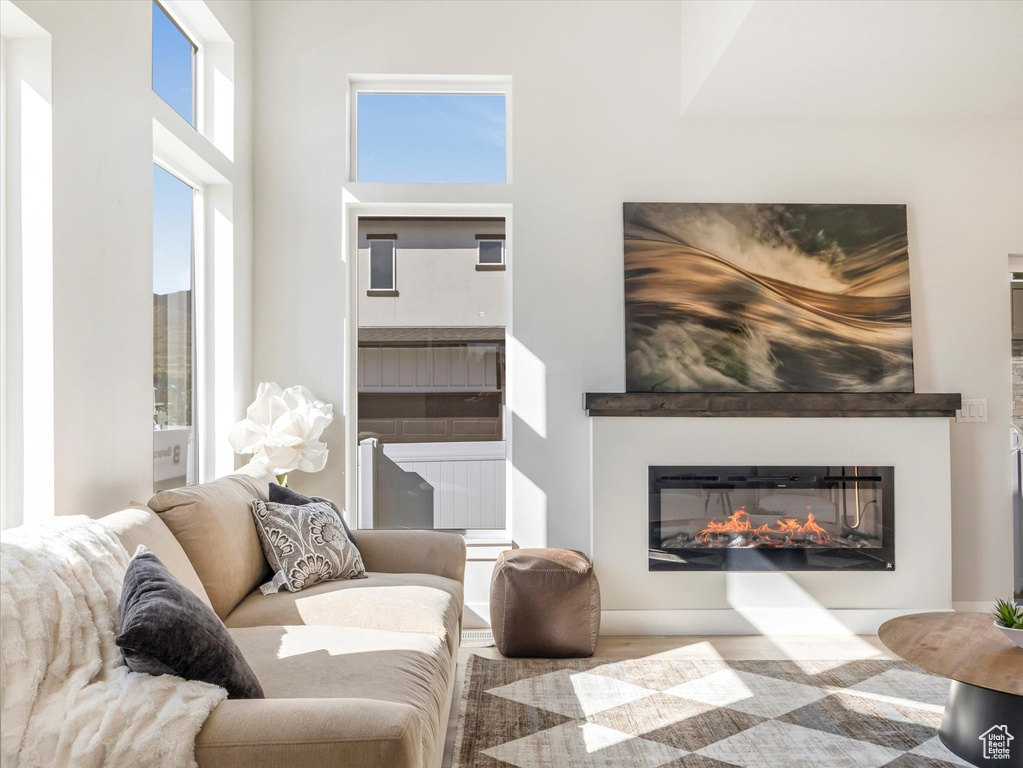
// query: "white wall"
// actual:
[[103, 242], [26, 270], [596, 123]]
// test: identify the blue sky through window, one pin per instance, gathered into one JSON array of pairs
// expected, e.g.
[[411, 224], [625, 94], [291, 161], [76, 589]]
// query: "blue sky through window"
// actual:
[[172, 233], [172, 65], [457, 138]]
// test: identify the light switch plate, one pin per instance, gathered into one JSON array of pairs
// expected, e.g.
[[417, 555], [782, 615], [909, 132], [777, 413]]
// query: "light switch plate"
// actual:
[[972, 411]]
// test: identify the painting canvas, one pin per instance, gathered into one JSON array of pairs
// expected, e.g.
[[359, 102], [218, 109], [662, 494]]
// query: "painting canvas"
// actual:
[[767, 298]]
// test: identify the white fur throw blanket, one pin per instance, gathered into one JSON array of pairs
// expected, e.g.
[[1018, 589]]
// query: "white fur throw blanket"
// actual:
[[67, 697]]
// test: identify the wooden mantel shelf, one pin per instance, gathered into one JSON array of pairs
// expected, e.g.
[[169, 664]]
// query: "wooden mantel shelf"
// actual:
[[772, 404]]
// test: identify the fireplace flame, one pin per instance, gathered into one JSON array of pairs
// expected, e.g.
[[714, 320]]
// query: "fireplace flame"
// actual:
[[738, 522]]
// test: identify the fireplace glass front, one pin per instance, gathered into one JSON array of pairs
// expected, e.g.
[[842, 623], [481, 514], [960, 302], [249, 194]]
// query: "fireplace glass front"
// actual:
[[772, 518]]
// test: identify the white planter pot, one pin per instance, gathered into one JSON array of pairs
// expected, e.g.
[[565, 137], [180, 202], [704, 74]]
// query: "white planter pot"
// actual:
[[1016, 635]]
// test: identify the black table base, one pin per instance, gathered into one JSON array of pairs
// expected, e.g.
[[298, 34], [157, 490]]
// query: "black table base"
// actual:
[[982, 726]]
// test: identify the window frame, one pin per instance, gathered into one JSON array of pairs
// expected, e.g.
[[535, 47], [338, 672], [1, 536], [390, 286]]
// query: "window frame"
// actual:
[[480, 240], [486, 543], [392, 290], [208, 166], [427, 84], [198, 314], [198, 100]]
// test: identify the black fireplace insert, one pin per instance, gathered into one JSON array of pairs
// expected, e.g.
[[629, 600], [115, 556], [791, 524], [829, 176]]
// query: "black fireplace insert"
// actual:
[[772, 518]]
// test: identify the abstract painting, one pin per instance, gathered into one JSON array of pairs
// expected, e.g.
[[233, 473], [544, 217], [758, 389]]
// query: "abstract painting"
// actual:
[[767, 298]]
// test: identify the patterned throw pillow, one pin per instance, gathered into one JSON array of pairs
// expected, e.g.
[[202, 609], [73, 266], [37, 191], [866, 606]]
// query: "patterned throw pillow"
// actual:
[[304, 545], [284, 495]]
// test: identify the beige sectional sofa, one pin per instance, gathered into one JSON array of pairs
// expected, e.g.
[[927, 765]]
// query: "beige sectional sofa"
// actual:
[[356, 673]]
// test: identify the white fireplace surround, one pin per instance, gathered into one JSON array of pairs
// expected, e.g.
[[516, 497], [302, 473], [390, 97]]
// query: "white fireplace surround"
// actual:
[[637, 601]]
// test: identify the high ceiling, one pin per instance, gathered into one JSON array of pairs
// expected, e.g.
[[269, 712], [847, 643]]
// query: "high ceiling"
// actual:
[[852, 59]]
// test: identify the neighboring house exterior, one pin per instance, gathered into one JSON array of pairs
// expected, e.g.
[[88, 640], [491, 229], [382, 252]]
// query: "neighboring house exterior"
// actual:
[[431, 329], [432, 304], [437, 279]]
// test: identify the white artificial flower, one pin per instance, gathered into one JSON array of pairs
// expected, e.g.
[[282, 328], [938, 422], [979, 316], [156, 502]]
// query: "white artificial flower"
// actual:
[[282, 429]]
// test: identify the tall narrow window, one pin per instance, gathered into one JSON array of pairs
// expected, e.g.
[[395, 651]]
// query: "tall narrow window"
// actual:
[[174, 447], [381, 265], [174, 60]]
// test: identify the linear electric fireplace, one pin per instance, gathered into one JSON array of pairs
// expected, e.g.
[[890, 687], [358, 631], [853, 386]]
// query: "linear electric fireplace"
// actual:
[[772, 519]]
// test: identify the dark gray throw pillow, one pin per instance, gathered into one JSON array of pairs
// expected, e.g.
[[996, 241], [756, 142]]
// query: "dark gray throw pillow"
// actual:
[[167, 630], [282, 495]]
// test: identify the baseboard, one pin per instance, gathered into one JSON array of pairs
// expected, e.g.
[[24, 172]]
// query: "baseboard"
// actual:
[[750, 622], [768, 621]]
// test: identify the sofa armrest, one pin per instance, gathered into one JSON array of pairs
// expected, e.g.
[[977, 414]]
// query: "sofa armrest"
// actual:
[[312, 733], [433, 552]]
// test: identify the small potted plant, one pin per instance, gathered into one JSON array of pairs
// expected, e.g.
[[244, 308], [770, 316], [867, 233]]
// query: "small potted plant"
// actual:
[[1009, 619]]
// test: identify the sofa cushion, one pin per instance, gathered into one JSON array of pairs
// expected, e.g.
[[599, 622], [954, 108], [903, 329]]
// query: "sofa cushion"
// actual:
[[346, 662], [400, 602], [143, 526], [213, 524], [310, 733], [167, 630], [438, 552]]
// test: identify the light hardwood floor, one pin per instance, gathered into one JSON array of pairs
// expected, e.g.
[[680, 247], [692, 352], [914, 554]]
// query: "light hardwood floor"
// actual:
[[738, 647]]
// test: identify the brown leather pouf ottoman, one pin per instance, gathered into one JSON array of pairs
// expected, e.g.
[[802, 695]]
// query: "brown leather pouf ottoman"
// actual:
[[544, 602]]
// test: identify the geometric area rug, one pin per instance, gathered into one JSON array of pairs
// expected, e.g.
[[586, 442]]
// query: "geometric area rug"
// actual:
[[645, 713]]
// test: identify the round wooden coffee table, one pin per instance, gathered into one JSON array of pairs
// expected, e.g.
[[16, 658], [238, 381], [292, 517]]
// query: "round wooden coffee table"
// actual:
[[983, 722]]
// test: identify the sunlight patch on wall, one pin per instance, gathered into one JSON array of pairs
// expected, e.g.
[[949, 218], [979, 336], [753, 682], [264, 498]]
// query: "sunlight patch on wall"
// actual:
[[37, 306], [527, 395]]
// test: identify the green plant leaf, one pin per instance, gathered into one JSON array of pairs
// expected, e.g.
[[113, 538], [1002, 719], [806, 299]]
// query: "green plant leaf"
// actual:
[[1008, 614]]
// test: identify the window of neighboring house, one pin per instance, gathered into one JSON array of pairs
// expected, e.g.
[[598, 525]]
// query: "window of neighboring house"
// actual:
[[381, 265], [425, 137], [490, 253], [174, 65], [175, 454]]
